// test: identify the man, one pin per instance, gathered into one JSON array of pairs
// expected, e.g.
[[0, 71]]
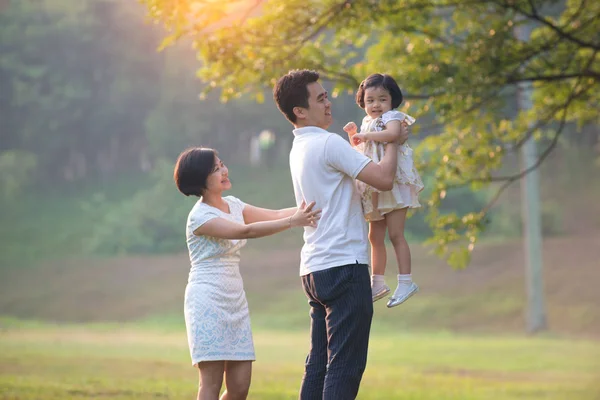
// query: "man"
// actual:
[[334, 259]]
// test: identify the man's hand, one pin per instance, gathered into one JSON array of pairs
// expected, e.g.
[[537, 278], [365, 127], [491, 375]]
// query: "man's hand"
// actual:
[[403, 136]]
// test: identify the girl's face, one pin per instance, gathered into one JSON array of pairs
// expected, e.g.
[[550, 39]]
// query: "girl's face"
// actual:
[[218, 180], [377, 101]]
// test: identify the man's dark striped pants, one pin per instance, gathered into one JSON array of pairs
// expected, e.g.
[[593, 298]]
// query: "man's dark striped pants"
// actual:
[[341, 313]]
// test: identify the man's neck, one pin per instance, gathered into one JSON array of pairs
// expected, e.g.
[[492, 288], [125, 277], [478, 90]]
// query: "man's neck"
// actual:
[[297, 126]]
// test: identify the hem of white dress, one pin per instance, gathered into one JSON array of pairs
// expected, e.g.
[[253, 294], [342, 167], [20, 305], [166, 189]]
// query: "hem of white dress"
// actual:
[[384, 211], [417, 188], [194, 364]]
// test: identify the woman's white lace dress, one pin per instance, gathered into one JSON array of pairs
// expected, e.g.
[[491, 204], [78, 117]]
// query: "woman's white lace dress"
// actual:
[[215, 306]]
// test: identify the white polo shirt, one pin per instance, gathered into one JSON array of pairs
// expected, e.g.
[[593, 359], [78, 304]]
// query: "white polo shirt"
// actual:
[[323, 167]]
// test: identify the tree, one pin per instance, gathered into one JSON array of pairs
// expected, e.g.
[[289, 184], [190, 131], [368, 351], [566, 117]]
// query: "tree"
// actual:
[[457, 60], [84, 95], [73, 94]]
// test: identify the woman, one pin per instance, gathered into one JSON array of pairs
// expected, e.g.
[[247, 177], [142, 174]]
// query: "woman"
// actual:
[[215, 307]]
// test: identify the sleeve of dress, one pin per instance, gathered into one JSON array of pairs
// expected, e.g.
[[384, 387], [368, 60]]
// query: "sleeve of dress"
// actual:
[[199, 216], [364, 124], [394, 115]]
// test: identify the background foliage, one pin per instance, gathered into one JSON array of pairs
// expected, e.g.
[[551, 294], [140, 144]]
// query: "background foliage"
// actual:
[[93, 116], [459, 63]]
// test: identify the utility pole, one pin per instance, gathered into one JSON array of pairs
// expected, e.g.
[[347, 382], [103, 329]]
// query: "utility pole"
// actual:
[[531, 212]]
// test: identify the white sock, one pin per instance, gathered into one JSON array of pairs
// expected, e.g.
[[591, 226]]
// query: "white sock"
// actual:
[[404, 280], [377, 281]]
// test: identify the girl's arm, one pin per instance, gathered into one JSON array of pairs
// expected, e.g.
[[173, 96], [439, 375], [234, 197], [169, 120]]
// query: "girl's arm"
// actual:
[[391, 133], [225, 229], [351, 129], [256, 214]]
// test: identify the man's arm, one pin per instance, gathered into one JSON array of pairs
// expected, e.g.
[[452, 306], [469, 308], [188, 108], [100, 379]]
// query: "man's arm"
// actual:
[[391, 133], [381, 175], [340, 155]]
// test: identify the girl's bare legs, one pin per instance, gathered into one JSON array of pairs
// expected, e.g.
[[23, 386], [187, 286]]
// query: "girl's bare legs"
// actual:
[[237, 380], [395, 221], [211, 379], [378, 259]]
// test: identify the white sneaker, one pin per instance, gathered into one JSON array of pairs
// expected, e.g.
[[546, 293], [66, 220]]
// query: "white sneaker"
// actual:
[[381, 293], [402, 294]]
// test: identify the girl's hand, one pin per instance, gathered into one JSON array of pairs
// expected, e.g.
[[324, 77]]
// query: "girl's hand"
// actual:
[[350, 128], [358, 138], [305, 216]]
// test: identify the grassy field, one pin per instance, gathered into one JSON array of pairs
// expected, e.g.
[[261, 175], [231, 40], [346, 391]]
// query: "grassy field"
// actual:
[[461, 338], [488, 297], [119, 325], [83, 362]]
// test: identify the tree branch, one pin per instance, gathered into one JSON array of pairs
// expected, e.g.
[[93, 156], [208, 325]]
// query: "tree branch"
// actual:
[[533, 8], [576, 13], [552, 78], [510, 180], [330, 76], [559, 30], [250, 10], [322, 22], [555, 110], [434, 37]]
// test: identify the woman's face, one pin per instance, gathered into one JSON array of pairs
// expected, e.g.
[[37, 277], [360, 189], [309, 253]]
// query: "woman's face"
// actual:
[[218, 180]]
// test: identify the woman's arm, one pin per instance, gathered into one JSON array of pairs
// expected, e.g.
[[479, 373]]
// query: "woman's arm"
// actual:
[[225, 229], [256, 214]]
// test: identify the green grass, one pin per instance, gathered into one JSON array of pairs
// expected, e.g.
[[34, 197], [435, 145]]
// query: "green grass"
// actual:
[[488, 297], [80, 362]]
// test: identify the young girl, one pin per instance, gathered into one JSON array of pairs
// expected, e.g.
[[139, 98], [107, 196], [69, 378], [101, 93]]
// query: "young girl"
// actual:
[[379, 95]]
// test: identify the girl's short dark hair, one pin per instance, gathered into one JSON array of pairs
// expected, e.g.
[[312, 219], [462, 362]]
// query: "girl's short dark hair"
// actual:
[[378, 80], [291, 91], [192, 169]]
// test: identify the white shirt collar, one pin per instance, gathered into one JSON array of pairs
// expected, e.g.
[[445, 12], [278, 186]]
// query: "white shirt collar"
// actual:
[[308, 129]]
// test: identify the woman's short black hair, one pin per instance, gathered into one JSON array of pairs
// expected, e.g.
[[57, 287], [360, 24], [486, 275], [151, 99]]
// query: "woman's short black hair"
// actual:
[[192, 169], [378, 80], [291, 91]]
